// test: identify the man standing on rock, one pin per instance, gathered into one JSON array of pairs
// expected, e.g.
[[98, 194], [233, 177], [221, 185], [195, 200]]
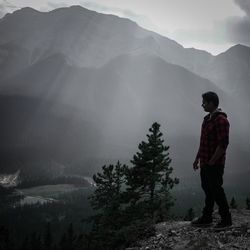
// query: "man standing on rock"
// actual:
[[211, 160]]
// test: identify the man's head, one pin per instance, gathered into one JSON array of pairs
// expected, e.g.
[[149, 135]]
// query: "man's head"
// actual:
[[210, 101]]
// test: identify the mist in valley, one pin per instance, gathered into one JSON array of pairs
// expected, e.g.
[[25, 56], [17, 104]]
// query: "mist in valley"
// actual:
[[80, 89]]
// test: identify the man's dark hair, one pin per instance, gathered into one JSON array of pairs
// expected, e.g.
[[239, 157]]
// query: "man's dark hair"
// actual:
[[211, 97]]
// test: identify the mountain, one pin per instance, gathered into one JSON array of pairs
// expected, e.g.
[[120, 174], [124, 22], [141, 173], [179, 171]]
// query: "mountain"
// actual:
[[231, 71], [81, 84], [119, 99], [12, 59], [89, 38], [129, 87]]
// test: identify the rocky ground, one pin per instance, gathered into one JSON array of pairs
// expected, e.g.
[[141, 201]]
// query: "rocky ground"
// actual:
[[177, 235]]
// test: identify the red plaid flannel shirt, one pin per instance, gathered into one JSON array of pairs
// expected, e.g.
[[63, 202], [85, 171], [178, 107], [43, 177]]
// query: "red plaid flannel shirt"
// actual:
[[214, 132]]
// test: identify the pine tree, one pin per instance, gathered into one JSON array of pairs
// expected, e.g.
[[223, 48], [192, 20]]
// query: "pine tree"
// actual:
[[107, 201], [149, 182], [6, 243], [25, 244], [233, 204], [127, 201], [71, 237], [63, 242], [107, 196], [35, 242], [247, 203], [47, 241], [68, 239]]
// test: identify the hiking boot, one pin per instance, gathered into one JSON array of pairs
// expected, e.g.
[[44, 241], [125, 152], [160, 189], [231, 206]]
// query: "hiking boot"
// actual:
[[223, 225], [202, 221]]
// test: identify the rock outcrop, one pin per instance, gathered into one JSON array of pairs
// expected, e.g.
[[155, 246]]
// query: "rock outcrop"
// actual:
[[178, 235]]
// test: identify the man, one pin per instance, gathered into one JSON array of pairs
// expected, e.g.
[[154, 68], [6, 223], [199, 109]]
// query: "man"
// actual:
[[211, 160]]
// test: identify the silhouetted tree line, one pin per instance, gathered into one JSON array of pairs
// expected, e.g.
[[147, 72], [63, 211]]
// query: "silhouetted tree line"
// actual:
[[127, 202], [25, 220], [70, 240]]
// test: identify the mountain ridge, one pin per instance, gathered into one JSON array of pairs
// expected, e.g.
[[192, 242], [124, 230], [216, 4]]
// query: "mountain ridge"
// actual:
[[120, 76], [98, 38]]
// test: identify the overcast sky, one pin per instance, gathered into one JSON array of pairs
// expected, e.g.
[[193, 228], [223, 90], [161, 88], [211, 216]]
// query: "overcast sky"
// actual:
[[212, 25]]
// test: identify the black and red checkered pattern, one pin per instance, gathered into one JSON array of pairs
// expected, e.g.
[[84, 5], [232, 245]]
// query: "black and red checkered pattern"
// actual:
[[214, 132]]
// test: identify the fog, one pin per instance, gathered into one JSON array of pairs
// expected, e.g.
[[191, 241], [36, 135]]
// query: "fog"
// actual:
[[77, 85]]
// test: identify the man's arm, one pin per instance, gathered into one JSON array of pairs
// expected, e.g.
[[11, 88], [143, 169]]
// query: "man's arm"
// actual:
[[196, 161], [217, 155]]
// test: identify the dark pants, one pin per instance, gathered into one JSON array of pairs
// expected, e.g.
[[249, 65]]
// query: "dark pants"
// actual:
[[211, 182]]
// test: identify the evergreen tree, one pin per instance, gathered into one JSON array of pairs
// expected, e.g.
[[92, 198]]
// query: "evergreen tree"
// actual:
[[25, 244], [247, 203], [71, 236], [63, 242], [47, 241], [149, 182], [107, 200], [35, 242], [6, 241], [81, 243], [107, 195], [233, 204], [127, 200], [68, 239]]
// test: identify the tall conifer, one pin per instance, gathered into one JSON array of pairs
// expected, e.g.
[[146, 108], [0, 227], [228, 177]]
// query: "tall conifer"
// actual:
[[149, 181]]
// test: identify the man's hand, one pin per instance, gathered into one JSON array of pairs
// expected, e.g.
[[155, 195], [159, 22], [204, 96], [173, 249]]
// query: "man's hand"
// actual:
[[196, 165]]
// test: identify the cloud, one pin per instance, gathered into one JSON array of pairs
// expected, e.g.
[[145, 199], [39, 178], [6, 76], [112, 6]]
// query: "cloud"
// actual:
[[216, 35], [214, 40], [55, 5], [244, 5], [6, 7], [2, 10], [238, 28], [228, 31]]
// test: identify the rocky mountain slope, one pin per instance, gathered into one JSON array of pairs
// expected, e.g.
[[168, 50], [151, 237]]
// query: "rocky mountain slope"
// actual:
[[88, 38], [180, 235], [91, 39]]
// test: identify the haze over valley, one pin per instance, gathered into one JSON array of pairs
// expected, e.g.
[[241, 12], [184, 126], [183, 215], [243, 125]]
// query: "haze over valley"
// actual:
[[80, 89]]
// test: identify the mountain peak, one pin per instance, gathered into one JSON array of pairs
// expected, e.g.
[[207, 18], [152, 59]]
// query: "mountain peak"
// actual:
[[236, 52], [26, 11], [238, 48], [77, 9], [21, 13]]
